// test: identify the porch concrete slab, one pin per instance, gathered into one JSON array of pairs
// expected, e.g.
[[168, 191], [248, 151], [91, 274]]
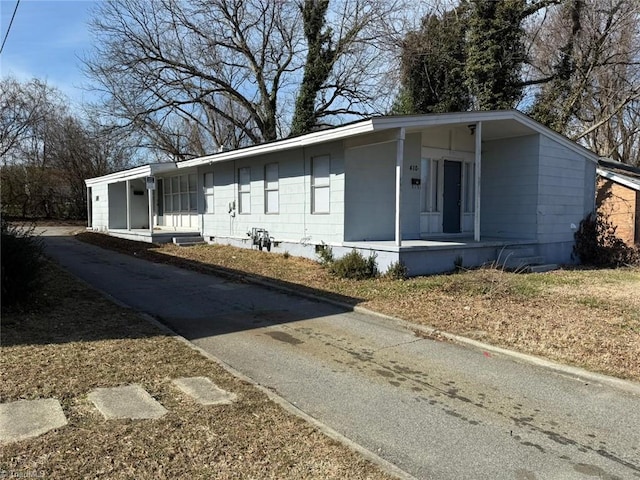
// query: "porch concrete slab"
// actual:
[[204, 391], [29, 418], [127, 402]]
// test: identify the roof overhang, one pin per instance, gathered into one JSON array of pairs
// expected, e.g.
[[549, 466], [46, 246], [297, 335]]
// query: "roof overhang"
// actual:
[[496, 125], [132, 173]]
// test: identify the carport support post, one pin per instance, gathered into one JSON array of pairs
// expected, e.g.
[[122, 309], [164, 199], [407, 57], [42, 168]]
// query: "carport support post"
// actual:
[[128, 183], [89, 208], [478, 163], [151, 194], [399, 165]]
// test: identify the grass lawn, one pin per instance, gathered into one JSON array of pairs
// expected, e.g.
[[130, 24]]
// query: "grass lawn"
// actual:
[[73, 340], [581, 317]]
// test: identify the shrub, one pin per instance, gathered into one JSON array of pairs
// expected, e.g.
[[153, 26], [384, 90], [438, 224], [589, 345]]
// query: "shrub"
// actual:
[[354, 266], [397, 271], [22, 263], [596, 244], [325, 254]]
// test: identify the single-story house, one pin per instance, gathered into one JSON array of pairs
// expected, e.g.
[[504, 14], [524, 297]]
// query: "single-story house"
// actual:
[[618, 198], [431, 191]]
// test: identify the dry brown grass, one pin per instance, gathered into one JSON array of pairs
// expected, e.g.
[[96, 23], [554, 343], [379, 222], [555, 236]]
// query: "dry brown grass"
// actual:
[[587, 318], [74, 340]]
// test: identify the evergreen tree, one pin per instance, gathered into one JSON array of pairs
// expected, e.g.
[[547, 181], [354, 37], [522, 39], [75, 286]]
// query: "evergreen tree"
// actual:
[[495, 53], [432, 65]]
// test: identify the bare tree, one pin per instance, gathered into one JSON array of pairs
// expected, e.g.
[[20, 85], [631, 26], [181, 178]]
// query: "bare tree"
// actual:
[[590, 85], [22, 108], [198, 74], [48, 151]]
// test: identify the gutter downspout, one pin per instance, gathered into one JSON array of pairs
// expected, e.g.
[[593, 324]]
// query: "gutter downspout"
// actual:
[[399, 166], [478, 182]]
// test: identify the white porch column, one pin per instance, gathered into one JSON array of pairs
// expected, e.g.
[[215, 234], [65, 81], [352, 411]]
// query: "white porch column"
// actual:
[[478, 163], [128, 205], [89, 208], [151, 195], [399, 165]]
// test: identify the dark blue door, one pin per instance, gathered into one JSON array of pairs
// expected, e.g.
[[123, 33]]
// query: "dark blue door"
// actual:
[[452, 194]]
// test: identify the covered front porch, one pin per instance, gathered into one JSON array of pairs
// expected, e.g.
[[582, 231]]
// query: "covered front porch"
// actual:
[[157, 235], [136, 204], [429, 256], [459, 183]]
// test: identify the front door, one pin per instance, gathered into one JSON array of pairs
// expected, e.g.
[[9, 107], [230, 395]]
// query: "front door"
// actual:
[[452, 194]]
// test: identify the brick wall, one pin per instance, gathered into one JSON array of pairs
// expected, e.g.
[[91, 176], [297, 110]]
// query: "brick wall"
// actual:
[[621, 205]]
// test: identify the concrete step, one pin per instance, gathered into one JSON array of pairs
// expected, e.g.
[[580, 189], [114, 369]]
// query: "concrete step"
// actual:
[[547, 267], [516, 251], [519, 262], [187, 241]]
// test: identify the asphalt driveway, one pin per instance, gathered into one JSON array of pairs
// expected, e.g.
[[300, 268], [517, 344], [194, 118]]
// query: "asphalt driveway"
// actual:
[[436, 410]]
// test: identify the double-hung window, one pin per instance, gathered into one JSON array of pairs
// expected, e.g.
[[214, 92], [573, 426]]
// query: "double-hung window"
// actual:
[[208, 192], [244, 190], [320, 181], [271, 188]]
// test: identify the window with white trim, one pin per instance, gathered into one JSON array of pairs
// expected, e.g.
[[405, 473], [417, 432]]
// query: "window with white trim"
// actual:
[[320, 181], [469, 187], [180, 194], [244, 190], [431, 181], [208, 192], [271, 188]]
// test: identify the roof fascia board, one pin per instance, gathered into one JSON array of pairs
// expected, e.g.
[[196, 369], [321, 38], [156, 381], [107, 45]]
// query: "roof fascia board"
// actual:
[[132, 173], [570, 144], [471, 117], [618, 178], [321, 136]]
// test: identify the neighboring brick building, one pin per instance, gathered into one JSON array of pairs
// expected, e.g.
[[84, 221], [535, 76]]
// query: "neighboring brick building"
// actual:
[[618, 197]]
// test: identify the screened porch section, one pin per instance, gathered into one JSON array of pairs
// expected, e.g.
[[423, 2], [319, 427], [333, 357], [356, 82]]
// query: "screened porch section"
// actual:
[[177, 201]]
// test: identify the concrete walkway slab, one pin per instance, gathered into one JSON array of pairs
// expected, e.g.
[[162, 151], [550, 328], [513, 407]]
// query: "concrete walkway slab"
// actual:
[[29, 418], [127, 402], [204, 391]]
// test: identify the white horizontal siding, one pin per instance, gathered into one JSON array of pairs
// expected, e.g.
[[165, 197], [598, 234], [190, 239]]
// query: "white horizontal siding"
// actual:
[[294, 222], [509, 191], [99, 207], [564, 192]]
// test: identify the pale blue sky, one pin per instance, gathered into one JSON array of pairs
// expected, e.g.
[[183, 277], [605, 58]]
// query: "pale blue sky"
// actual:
[[46, 40]]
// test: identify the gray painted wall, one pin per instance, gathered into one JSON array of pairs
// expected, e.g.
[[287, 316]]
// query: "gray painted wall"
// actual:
[[509, 191], [566, 191], [370, 199], [117, 205], [139, 204], [294, 222], [411, 194]]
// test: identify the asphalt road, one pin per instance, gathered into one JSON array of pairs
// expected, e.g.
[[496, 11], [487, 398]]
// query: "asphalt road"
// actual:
[[436, 410]]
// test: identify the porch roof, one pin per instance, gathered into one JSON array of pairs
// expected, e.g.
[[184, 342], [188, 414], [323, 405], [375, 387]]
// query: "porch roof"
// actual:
[[496, 125], [132, 174]]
